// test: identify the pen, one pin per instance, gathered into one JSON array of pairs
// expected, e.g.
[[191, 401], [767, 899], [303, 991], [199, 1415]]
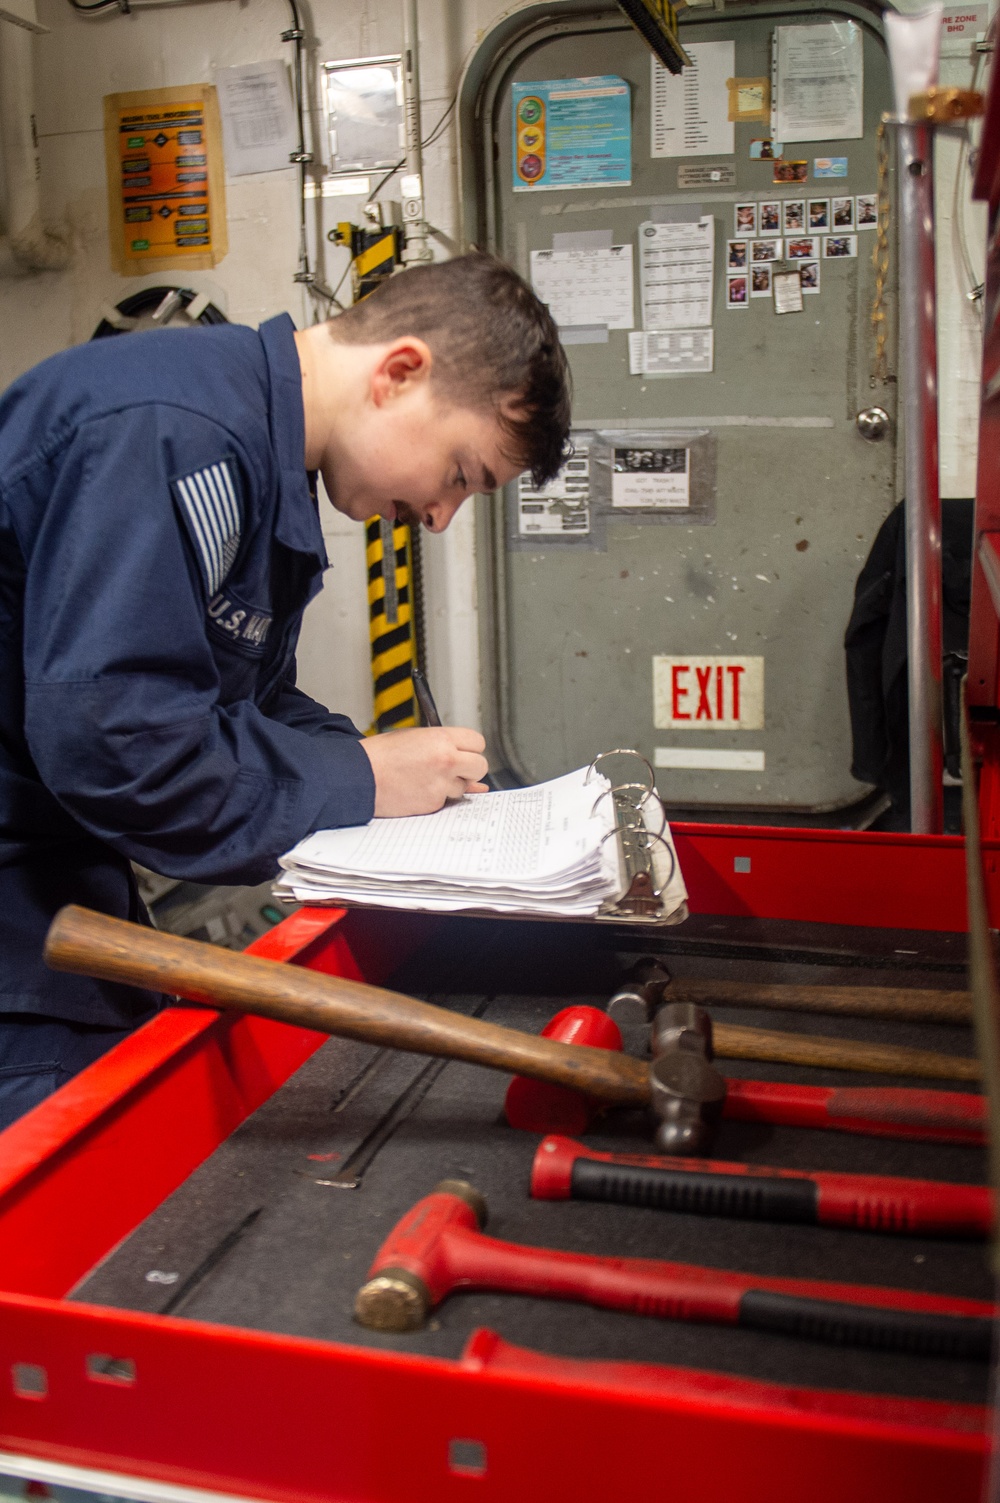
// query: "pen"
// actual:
[[429, 710]]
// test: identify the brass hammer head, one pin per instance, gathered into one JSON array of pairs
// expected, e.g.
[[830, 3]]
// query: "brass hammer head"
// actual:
[[410, 1274]]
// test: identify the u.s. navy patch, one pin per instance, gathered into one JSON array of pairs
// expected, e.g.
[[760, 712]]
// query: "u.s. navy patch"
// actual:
[[210, 506], [245, 626]]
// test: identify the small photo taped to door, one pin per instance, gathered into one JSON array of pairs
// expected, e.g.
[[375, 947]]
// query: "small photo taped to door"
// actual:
[[866, 211], [809, 276], [842, 213], [819, 215], [840, 246], [765, 250], [737, 292], [745, 219], [802, 248], [769, 220], [736, 254], [790, 172], [760, 281], [795, 216]]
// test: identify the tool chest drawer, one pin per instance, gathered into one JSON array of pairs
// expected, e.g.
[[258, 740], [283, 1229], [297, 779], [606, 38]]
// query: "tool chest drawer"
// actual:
[[197, 1324]]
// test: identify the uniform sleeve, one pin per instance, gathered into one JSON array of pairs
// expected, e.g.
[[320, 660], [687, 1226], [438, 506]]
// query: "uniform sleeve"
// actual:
[[122, 710], [292, 707]]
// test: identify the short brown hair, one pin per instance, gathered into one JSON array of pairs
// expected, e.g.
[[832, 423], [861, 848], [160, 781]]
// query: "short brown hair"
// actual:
[[490, 337]]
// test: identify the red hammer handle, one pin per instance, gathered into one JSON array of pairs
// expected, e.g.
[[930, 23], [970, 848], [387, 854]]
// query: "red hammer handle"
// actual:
[[565, 1170], [486, 1351], [437, 1248], [876, 1111], [467, 1259], [438, 1241]]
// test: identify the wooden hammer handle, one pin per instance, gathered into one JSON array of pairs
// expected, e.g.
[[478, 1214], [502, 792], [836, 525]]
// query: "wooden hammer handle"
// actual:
[[95, 945], [732, 1042], [905, 1004]]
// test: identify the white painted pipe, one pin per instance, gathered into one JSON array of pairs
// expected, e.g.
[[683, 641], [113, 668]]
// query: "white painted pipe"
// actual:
[[412, 185], [28, 245]]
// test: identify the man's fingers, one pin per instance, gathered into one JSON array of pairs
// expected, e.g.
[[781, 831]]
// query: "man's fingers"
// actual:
[[465, 739], [471, 768], [417, 770]]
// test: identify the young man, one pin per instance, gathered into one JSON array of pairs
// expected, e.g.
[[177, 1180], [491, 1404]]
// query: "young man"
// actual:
[[159, 541]]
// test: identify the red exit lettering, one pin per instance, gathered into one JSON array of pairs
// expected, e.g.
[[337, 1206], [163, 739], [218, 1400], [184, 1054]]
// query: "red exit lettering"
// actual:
[[712, 688]]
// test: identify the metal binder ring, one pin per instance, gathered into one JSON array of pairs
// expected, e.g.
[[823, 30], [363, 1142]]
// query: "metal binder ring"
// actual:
[[657, 834], [649, 836], [622, 751], [647, 793], [673, 859]]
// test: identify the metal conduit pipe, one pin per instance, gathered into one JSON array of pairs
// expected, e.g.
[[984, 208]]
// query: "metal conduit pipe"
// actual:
[[28, 244], [913, 55], [918, 350], [414, 222]]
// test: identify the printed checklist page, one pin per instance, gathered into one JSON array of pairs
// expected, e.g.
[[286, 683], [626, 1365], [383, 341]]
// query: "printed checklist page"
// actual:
[[517, 838]]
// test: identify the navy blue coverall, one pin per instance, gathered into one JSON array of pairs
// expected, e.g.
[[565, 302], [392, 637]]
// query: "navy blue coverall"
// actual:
[[159, 541]]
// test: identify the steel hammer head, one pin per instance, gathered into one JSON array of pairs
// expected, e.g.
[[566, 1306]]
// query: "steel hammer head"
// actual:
[[687, 1090], [410, 1273], [636, 1001]]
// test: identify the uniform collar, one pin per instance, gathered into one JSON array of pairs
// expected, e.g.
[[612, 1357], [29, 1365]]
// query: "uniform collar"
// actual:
[[297, 523]]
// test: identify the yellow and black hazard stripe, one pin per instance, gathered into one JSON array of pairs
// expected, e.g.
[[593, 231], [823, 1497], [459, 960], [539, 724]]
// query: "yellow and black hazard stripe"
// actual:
[[394, 621]]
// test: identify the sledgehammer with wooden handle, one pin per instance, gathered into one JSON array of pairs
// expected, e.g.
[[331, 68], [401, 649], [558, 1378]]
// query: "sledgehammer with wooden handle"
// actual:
[[95, 945]]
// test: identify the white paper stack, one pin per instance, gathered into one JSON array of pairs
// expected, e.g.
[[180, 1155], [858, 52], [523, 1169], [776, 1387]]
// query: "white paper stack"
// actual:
[[527, 850]]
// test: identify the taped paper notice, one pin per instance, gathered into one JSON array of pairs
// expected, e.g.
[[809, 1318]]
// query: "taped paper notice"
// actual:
[[708, 693], [749, 98], [689, 116], [586, 287], [787, 292], [258, 118], [650, 478], [561, 508], [817, 82], [676, 263], [671, 352]]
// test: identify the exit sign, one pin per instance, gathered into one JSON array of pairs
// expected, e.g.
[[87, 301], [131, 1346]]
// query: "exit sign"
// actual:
[[708, 693]]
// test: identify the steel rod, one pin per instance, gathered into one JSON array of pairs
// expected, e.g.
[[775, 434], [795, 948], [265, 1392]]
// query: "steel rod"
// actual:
[[918, 365]]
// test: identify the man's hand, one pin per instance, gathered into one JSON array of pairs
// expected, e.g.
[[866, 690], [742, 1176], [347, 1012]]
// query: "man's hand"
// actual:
[[416, 771]]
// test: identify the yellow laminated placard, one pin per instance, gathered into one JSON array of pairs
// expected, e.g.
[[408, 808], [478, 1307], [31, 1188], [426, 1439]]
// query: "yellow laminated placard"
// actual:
[[166, 182]]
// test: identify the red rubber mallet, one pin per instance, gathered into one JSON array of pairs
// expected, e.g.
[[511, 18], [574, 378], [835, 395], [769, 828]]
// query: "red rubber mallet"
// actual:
[[537, 1106], [439, 1247]]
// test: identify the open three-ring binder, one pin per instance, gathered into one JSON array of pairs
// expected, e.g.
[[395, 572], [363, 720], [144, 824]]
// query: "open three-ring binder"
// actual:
[[583, 846]]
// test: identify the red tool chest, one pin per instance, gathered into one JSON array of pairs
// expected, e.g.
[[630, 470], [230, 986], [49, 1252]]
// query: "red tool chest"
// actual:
[[257, 1415]]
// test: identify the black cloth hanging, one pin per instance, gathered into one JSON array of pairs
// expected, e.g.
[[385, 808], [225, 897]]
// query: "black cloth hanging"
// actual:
[[875, 645]]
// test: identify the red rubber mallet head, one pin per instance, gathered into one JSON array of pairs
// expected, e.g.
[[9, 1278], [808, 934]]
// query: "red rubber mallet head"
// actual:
[[537, 1106]]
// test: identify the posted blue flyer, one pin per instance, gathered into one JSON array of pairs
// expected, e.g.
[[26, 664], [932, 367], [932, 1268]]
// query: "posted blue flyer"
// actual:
[[572, 133]]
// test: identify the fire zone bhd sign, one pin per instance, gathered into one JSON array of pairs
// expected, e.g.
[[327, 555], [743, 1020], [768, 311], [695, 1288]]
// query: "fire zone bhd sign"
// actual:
[[708, 693]]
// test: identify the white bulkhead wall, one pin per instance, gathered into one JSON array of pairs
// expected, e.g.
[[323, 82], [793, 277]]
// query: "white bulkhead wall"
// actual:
[[156, 46]]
